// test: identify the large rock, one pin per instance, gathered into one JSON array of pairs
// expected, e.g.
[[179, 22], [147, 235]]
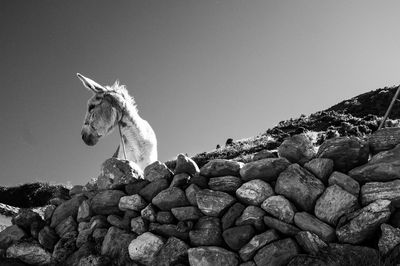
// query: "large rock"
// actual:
[[144, 248], [221, 167], [120, 172], [237, 237], [297, 149], [310, 242], [157, 170], [84, 212], [184, 164], [213, 203], [299, 186], [252, 215], [248, 250], [228, 219], [106, 202], [67, 208], [170, 198], [29, 252], [174, 251], [334, 203], [115, 243], [11, 235], [277, 253], [346, 152], [48, 238], [191, 192], [186, 213], [364, 222], [384, 166], [207, 232], [265, 169], [389, 239], [384, 139], [25, 218], [133, 202], [211, 256], [345, 254], [152, 189], [167, 230], [65, 247], [307, 222], [225, 183], [254, 192], [344, 181], [320, 167], [66, 226], [373, 191], [279, 207], [284, 228]]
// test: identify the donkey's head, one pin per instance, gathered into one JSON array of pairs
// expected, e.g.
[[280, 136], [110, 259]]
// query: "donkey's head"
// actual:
[[104, 110]]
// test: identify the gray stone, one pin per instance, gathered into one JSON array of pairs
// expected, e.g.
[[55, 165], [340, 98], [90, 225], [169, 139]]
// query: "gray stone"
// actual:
[[106, 202], [264, 154], [170, 198], [84, 212], [211, 256], [65, 247], [384, 139], [134, 188], [184, 164], [48, 213], [334, 203], [152, 189], [115, 243], [297, 149], [149, 213], [117, 221], [277, 253], [157, 170], [29, 252], [25, 218], [310, 242], [265, 169], [225, 183], [308, 222], [229, 218], [237, 237], [248, 250], [85, 250], [299, 186], [174, 251], [11, 235], [364, 222], [389, 239], [373, 191], [94, 260], [279, 207], [252, 215], [133, 202], [84, 236], [48, 238], [121, 172], [345, 152], [180, 180], [67, 225], [168, 230], [320, 167], [75, 190], [213, 203], [191, 192], [345, 182], [284, 228], [144, 248], [254, 192], [207, 232], [221, 167], [165, 217], [186, 213], [138, 225]]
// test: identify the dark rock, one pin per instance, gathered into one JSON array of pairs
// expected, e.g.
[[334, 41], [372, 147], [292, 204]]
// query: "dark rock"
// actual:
[[98, 221], [297, 149], [389, 239], [254, 192], [284, 228], [98, 235], [213, 203], [65, 247], [184, 164], [84, 236], [211, 256], [168, 230], [157, 170], [264, 154], [221, 167], [345, 182], [225, 183], [186, 213], [29, 252], [115, 243], [395, 218], [180, 180], [36, 226], [248, 250], [231, 215], [310, 242], [384, 139], [191, 192], [345, 254], [165, 217], [76, 190], [299, 186], [133, 202], [320, 167], [152, 189], [48, 212], [25, 218], [84, 250], [174, 251], [106, 202], [121, 172], [252, 215], [265, 169], [11, 235], [237, 237], [170, 198], [48, 238], [308, 222], [67, 225], [117, 221], [373, 191], [134, 188], [207, 232], [139, 225], [309, 260], [346, 152], [199, 180], [277, 253], [144, 248], [279, 207], [94, 260], [84, 212], [149, 213]]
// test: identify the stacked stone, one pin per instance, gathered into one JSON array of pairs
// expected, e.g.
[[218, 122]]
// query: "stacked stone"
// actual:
[[301, 208]]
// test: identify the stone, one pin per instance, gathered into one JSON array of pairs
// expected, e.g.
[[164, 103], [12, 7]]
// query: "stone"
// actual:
[[180, 180], [247, 251], [36, 226], [266, 169], [11, 235], [84, 212], [277, 253], [149, 213], [103, 182], [106, 202], [65, 247], [199, 180], [207, 232], [94, 260], [237, 237], [98, 221], [345, 152], [320, 168], [191, 192], [165, 217], [299, 186], [221, 167], [152, 189], [75, 190], [345, 254], [67, 225], [25, 218], [84, 250], [252, 215], [311, 260], [133, 202], [345, 182], [184, 164], [254, 192], [170, 198], [29, 252], [373, 191], [48, 212], [134, 188], [120, 172], [83, 226], [115, 243], [229, 218], [186, 213], [144, 248], [117, 221], [395, 218], [139, 225], [284, 228], [279, 207], [308, 222], [174, 251], [310, 242], [334, 203], [225, 183], [263, 154], [48, 238], [157, 170], [384, 139], [364, 222], [211, 256], [84, 236], [98, 235], [297, 149], [382, 167], [389, 239], [168, 230], [213, 203]]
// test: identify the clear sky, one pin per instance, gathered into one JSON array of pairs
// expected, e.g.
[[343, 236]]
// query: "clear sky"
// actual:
[[200, 71]]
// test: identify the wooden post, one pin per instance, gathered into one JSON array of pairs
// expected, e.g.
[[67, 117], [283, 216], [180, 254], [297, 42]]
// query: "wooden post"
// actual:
[[390, 107]]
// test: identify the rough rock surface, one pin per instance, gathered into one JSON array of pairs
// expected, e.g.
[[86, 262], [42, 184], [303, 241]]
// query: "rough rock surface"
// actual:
[[247, 251], [185, 164], [11, 235], [389, 239], [308, 222], [221, 167], [277, 253], [144, 248], [68, 208], [373, 191], [310, 242], [254, 192], [297, 149], [170, 198], [320, 167], [345, 182], [265, 169], [279, 207], [157, 170], [213, 203], [106, 202], [211, 256], [29, 252], [225, 183], [237, 237], [384, 139]]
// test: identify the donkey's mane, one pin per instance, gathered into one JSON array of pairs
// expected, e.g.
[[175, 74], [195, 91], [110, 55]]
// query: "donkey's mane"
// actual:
[[117, 88]]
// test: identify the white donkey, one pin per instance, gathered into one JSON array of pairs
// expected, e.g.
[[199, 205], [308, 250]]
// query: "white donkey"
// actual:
[[112, 106]]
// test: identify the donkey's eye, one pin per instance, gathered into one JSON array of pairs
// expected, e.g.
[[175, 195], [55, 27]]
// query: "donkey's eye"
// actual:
[[91, 107]]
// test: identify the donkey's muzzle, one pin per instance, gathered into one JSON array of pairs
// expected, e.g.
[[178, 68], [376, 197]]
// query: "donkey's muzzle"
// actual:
[[89, 139]]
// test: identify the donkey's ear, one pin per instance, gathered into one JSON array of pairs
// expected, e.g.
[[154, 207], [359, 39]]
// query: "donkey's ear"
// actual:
[[91, 85]]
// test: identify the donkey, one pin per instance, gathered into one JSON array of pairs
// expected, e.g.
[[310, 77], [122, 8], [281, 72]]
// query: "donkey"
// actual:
[[112, 106]]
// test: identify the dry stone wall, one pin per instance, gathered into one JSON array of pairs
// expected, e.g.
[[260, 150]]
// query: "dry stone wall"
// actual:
[[336, 206]]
